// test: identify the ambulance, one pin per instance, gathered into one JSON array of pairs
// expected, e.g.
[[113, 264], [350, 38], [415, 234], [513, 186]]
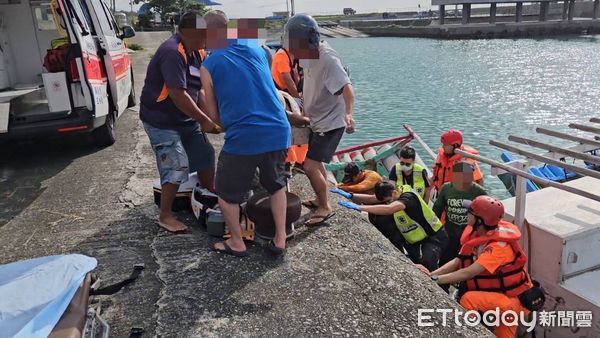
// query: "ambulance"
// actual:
[[64, 68]]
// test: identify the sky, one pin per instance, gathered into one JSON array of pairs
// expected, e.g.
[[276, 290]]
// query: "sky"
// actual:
[[262, 8]]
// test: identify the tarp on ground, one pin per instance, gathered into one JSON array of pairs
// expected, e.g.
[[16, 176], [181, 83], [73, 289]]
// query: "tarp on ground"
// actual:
[[34, 293]]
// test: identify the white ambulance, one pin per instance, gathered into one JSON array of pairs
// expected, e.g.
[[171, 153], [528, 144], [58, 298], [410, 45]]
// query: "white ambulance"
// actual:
[[64, 68]]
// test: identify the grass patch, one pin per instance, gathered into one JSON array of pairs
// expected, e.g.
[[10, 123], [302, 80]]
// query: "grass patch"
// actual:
[[135, 46]]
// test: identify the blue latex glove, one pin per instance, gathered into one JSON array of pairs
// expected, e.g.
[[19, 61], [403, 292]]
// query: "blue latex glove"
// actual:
[[341, 193], [349, 205]]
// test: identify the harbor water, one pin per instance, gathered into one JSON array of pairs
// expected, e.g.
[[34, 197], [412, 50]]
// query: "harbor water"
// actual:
[[488, 89]]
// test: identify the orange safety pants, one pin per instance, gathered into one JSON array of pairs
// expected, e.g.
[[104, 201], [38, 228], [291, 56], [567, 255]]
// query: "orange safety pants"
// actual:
[[482, 301], [297, 154]]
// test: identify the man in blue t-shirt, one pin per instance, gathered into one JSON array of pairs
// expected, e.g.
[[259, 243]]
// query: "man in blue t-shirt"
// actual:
[[170, 113], [241, 95]]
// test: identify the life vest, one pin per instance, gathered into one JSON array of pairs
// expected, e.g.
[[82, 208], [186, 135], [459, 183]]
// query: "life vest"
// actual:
[[418, 182], [411, 230], [511, 279], [442, 170], [294, 71]]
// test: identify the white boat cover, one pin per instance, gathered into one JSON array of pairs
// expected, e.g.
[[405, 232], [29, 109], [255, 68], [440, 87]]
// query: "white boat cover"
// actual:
[[34, 293]]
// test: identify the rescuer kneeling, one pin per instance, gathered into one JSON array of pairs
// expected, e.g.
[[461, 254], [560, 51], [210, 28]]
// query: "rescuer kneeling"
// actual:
[[491, 266]]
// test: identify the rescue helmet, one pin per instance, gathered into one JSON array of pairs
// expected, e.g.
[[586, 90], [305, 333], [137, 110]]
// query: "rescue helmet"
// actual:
[[487, 209], [452, 137], [304, 27]]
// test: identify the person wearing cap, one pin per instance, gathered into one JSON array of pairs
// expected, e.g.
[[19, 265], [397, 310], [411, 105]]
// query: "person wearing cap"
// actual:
[[404, 218], [491, 266], [408, 172], [328, 103], [447, 157], [448, 206], [357, 180], [257, 131], [170, 109]]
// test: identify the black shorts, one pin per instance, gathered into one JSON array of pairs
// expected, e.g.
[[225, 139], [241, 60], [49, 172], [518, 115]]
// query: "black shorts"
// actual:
[[322, 146], [235, 174]]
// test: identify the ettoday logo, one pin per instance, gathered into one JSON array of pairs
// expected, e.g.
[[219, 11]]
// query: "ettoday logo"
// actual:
[[507, 318]]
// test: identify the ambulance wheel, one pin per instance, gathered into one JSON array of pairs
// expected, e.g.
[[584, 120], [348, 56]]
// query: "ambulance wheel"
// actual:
[[104, 135], [131, 100]]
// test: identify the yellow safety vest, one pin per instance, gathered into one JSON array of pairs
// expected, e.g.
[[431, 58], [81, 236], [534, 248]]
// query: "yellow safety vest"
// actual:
[[418, 182], [412, 231]]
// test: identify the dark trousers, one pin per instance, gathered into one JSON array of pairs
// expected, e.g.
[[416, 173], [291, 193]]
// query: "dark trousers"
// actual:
[[426, 252], [451, 250]]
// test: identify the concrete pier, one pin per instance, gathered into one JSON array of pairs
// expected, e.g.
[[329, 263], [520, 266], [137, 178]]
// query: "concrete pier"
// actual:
[[519, 14], [493, 13], [484, 30], [596, 12], [466, 14], [345, 279]]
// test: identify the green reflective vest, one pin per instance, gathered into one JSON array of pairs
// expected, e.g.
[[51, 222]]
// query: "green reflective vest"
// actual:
[[412, 231], [418, 182]]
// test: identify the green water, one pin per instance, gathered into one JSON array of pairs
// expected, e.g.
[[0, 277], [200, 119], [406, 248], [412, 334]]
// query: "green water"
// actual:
[[486, 88]]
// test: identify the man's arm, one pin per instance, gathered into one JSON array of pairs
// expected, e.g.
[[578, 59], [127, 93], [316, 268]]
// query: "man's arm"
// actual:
[[364, 199], [291, 85], [210, 99], [348, 95], [461, 275], [184, 102], [383, 209], [451, 266]]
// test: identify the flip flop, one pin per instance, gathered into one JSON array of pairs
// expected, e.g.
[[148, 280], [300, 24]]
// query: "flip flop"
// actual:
[[229, 251], [275, 250], [323, 219], [310, 204], [164, 227]]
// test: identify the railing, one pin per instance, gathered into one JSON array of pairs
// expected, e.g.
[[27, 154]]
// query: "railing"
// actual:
[[519, 167]]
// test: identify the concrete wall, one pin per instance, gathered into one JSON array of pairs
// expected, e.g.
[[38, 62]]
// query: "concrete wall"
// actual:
[[487, 31]]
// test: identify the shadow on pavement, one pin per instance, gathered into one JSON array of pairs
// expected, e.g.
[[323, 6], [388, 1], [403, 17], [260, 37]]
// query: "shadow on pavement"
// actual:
[[25, 165]]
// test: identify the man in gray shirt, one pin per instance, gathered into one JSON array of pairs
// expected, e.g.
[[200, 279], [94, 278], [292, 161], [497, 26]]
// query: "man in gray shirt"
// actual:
[[328, 102]]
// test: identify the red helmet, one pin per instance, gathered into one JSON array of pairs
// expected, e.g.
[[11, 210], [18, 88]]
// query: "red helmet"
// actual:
[[489, 209], [451, 137]]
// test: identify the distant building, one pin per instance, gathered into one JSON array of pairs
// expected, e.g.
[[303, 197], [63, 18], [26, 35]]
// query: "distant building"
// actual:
[[349, 11], [279, 16]]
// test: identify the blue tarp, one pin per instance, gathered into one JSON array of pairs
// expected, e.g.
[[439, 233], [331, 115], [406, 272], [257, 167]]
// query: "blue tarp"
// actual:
[[34, 293]]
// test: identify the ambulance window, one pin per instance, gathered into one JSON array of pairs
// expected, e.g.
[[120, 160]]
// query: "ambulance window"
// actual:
[[43, 17], [105, 24], [111, 19], [87, 16]]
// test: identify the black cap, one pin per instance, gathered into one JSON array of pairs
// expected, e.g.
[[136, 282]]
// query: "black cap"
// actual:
[[350, 171]]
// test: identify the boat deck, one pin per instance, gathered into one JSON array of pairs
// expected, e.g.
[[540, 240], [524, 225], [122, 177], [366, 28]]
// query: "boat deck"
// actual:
[[559, 212]]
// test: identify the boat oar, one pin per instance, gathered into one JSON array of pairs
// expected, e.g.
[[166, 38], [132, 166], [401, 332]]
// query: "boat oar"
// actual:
[[412, 133]]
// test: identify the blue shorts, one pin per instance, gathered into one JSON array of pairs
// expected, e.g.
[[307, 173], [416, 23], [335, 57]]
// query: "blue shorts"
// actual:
[[180, 152]]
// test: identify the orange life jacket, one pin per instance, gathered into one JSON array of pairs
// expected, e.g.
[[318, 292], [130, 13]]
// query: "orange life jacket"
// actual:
[[442, 170], [511, 279]]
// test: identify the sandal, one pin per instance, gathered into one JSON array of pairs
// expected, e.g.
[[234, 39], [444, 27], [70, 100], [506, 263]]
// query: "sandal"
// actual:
[[310, 204], [275, 250], [229, 251], [322, 219]]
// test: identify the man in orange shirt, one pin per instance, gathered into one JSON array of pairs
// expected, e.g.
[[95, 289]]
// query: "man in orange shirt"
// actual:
[[491, 266], [359, 181], [285, 73]]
